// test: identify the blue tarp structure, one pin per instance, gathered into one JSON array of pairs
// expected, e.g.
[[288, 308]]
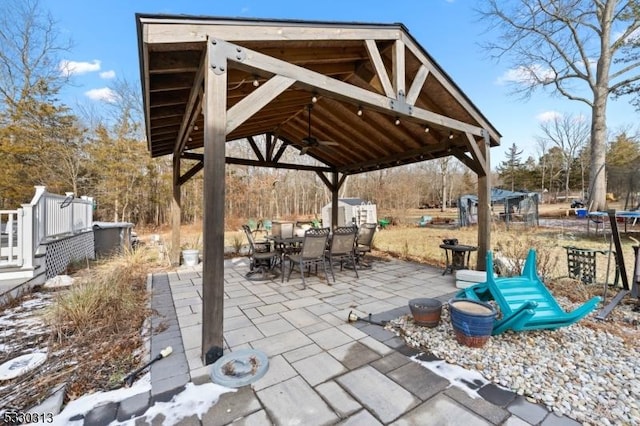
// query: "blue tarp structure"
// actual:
[[508, 206]]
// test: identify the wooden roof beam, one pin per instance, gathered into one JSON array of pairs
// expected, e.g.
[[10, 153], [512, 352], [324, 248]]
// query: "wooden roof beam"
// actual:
[[337, 89]]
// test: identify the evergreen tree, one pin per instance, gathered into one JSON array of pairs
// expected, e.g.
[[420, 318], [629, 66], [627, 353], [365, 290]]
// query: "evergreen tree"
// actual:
[[509, 170]]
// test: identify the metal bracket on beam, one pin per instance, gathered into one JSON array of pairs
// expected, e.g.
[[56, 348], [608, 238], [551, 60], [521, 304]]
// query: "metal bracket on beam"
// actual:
[[400, 105], [222, 52]]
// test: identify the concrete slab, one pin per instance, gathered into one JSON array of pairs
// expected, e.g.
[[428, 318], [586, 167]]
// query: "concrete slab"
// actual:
[[338, 399], [277, 326], [515, 421], [443, 411], [242, 335], [300, 317], [383, 397], [330, 338], [231, 406], [259, 418], [527, 411], [361, 418], [280, 343], [354, 355], [303, 352], [279, 371], [480, 406], [294, 402], [376, 345], [418, 380], [390, 362], [318, 368]]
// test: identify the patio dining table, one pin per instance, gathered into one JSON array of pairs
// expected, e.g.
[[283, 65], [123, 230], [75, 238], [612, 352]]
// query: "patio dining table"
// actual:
[[286, 245]]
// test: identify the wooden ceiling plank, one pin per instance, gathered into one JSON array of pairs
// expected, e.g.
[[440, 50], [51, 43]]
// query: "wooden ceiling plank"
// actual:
[[241, 111], [378, 66], [416, 85], [174, 62], [348, 133]]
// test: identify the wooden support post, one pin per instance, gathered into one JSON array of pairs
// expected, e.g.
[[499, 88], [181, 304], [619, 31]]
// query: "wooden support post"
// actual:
[[484, 204], [176, 213], [335, 188], [215, 118]]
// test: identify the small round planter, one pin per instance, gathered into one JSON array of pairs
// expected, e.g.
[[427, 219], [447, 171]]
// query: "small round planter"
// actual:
[[191, 257], [472, 321], [425, 311]]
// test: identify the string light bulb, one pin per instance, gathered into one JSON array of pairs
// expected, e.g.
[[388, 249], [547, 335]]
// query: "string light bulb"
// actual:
[[256, 83], [450, 135], [426, 129], [397, 121], [314, 99], [359, 111]]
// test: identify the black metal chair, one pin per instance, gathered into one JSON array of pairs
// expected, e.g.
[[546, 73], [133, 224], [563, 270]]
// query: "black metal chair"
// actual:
[[312, 253], [342, 248], [262, 260], [364, 241]]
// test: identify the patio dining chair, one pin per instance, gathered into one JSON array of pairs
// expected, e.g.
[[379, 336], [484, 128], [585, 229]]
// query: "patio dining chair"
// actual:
[[262, 260], [311, 254], [342, 248], [364, 241]]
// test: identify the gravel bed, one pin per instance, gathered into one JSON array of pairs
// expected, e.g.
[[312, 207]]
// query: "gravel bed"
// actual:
[[583, 371]]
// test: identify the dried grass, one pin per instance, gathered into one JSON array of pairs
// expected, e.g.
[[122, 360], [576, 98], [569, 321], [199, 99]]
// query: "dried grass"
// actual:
[[92, 332]]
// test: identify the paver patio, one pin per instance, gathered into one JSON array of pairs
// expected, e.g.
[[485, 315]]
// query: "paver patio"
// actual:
[[324, 370]]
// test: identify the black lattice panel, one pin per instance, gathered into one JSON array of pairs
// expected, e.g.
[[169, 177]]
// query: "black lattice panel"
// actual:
[[62, 252], [582, 264]]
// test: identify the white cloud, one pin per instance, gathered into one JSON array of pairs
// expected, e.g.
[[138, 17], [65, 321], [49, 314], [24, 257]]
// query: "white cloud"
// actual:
[[68, 68], [107, 75], [104, 94], [526, 75], [633, 37], [548, 116]]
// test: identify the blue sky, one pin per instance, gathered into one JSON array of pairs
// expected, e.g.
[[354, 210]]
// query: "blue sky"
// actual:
[[105, 47]]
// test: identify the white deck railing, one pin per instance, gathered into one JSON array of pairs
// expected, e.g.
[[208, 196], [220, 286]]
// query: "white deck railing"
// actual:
[[46, 218], [10, 237]]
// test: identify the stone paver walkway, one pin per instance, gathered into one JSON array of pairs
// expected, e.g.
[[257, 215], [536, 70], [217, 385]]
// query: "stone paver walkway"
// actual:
[[322, 369]]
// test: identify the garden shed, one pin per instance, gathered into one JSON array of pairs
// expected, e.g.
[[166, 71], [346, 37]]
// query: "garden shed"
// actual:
[[506, 206], [351, 210]]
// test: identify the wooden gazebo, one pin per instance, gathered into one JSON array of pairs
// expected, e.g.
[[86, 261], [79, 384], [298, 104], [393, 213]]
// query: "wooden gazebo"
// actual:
[[375, 92]]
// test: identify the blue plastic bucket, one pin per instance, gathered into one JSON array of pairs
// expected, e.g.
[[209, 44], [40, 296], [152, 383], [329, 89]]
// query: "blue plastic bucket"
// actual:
[[581, 213], [472, 321]]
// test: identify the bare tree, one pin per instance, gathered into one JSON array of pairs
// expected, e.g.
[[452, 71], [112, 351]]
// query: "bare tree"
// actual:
[[568, 46], [543, 145], [569, 133], [30, 45]]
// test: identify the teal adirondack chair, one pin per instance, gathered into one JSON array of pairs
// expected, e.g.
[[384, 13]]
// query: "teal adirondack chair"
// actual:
[[525, 302]]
